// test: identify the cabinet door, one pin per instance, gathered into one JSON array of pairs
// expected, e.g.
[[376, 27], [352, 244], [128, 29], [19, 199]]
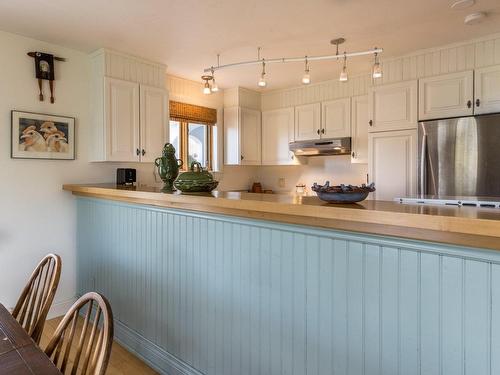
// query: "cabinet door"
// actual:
[[336, 118], [448, 95], [250, 136], [307, 121], [154, 118], [393, 107], [277, 133], [359, 120], [487, 90], [121, 110], [392, 164], [232, 154]]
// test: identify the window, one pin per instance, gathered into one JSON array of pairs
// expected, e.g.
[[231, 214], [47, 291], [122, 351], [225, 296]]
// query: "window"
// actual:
[[193, 134], [192, 142]]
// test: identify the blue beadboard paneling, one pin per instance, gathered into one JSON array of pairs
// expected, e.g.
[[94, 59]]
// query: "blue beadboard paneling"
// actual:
[[208, 294]]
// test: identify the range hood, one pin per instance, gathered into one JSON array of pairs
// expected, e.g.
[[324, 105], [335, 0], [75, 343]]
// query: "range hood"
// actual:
[[317, 147]]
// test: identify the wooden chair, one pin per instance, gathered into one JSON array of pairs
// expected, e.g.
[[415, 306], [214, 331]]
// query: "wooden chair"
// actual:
[[36, 298], [97, 341]]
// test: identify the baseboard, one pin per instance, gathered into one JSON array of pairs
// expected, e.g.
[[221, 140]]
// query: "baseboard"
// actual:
[[60, 308], [155, 356]]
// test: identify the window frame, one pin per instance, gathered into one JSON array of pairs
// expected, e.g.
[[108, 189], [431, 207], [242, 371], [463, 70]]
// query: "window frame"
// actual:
[[184, 143]]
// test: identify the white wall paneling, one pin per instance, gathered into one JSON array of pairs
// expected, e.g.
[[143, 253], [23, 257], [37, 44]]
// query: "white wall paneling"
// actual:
[[254, 297], [447, 95]]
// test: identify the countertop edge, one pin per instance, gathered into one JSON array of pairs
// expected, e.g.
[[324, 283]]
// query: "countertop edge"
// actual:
[[462, 231]]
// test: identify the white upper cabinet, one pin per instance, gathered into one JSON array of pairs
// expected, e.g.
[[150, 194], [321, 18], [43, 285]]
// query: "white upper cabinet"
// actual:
[[277, 133], [153, 121], [250, 139], [449, 95], [307, 121], [487, 90], [129, 108], [242, 136], [336, 118], [393, 107], [121, 111], [359, 119], [393, 163]]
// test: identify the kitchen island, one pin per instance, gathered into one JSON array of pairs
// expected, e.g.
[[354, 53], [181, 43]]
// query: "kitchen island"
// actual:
[[240, 283]]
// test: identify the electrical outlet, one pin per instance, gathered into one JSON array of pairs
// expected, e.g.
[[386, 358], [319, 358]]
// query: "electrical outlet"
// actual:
[[282, 182]]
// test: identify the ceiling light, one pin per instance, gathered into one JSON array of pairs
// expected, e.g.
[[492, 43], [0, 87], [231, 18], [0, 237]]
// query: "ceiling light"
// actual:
[[306, 78], [343, 74], [377, 68], [474, 18], [262, 80], [214, 87], [462, 4], [206, 87]]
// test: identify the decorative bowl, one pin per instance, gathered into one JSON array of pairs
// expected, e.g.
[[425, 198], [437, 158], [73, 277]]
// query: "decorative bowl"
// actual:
[[342, 193], [196, 180]]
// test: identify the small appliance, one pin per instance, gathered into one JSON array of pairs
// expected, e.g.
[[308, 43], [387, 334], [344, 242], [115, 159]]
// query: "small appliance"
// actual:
[[125, 176]]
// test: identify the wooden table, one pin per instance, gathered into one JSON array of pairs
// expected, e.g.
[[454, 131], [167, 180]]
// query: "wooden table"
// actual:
[[19, 354]]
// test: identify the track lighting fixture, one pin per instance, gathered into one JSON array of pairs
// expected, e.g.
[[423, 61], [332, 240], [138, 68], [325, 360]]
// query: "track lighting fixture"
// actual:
[[306, 78], [210, 87], [343, 74], [262, 80], [377, 68]]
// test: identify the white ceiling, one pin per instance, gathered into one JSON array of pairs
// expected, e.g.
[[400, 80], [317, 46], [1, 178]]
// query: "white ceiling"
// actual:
[[187, 34]]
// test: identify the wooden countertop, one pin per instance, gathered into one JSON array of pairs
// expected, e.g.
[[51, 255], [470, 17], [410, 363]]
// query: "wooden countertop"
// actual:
[[467, 226]]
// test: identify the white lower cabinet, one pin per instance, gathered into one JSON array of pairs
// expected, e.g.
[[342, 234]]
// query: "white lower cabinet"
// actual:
[[448, 95], [393, 163], [307, 121], [487, 90], [359, 140], [277, 133], [242, 136]]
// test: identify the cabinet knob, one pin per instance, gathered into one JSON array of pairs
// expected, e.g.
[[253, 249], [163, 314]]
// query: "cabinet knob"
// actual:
[[317, 131], [137, 152], [370, 122], [469, 103], [478, 102], [322, 131], [241, 157], [292, 156], [353, 154], [143, 152]]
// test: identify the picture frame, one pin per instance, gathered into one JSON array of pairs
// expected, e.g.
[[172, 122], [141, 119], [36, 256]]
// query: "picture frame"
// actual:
[[42, 136]]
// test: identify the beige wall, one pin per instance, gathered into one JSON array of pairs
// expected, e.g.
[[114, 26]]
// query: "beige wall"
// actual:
[[36, 216]]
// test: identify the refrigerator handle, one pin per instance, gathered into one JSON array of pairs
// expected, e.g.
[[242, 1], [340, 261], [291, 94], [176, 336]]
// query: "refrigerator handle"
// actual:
[[423, 166]]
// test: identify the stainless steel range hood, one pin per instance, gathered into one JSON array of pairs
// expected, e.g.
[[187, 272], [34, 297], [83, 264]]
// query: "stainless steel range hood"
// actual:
[[317, 147]]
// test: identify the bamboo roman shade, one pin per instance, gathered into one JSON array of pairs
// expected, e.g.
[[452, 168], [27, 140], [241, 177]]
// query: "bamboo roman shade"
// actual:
[[192, 113]]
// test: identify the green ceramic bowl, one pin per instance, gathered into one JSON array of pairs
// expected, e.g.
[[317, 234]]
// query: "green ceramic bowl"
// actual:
[[195, 180]]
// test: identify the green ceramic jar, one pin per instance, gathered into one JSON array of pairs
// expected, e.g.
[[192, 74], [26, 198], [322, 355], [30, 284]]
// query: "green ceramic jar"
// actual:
[[168, 167], [195, 180]]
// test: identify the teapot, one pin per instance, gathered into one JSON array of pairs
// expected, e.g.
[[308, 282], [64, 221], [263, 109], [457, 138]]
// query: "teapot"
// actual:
[[168, 167]]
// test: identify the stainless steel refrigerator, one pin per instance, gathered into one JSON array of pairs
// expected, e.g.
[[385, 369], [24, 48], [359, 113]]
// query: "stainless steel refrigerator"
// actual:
[[459, 157]]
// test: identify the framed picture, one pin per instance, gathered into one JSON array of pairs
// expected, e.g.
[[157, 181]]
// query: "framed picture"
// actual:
[[41, 136]]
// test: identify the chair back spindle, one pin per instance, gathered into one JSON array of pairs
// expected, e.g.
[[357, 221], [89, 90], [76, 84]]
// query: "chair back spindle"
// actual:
[[36, 298], [89, 353]]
